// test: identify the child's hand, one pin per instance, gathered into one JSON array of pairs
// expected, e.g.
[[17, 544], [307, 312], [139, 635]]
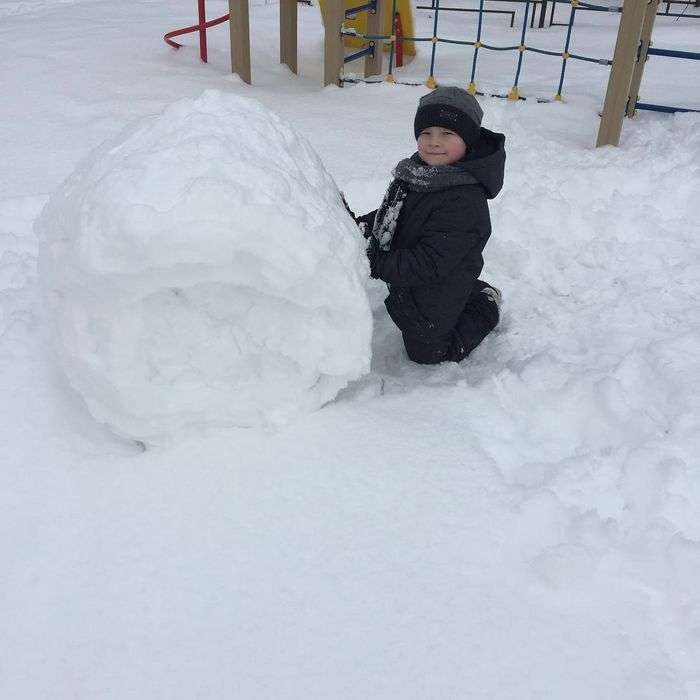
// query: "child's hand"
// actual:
[[366, 223]]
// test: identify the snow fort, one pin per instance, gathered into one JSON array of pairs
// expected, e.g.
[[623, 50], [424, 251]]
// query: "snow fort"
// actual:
[[202, 270]]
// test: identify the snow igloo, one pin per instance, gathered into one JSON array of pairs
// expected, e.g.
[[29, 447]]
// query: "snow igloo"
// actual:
[[201, 270]]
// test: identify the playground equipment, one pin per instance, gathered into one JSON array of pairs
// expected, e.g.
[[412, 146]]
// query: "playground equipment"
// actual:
[[200, 27], [665, 12], [631, 50], [636, 104], [529, 7], [542, 4], [334, 17], [510, 13], [239, 29], [642, 55], [356, 18]]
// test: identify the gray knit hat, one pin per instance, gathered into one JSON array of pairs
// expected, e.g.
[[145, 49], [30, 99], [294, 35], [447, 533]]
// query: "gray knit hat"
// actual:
[[451, 107]]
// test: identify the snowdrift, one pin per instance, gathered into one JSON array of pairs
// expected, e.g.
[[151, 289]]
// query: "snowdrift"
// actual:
[[202, 270]]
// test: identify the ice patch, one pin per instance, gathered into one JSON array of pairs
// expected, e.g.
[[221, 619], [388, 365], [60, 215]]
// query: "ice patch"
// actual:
[[202, 270]]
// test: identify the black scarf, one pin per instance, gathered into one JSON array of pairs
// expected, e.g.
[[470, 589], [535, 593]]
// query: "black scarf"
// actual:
[[413, 174]]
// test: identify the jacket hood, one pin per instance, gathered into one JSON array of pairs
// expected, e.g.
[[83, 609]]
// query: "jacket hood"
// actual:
[[486, 161]]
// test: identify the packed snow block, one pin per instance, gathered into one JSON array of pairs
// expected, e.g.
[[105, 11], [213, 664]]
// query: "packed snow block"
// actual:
[[202, 270]]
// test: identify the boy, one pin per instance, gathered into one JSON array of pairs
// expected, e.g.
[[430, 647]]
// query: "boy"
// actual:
[[426, 239]]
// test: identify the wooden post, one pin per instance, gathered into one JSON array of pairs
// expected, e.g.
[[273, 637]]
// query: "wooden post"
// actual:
[[617, 94], [239, 27], [543, 12], [638, 72], [333, 52], [288, 33], [375, 25]]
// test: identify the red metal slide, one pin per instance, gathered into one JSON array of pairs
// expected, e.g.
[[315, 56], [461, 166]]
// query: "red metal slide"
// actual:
[[200, 27]]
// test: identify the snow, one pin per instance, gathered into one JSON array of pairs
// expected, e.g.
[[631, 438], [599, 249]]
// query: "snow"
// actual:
[[201, 270], [523, 525]]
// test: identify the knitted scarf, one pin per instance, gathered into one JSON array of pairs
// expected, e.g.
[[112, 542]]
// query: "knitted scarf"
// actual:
[[413, 174]]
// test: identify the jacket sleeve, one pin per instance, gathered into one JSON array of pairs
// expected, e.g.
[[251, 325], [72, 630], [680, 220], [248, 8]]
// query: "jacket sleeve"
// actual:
[[448, 236]]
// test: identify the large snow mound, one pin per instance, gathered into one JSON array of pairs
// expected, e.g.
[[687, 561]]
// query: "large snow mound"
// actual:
[[201, 269]]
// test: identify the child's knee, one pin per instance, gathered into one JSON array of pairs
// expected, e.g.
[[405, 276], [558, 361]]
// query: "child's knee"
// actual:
[[426, 353]]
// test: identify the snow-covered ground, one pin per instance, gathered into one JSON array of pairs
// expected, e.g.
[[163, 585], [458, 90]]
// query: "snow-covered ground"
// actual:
[[523, 525]]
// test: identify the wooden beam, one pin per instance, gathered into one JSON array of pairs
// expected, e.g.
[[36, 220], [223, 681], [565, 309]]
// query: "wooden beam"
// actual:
[[239, 27], [375, 25], [333, 51], [617, 94], [288, 33], [645, 39]]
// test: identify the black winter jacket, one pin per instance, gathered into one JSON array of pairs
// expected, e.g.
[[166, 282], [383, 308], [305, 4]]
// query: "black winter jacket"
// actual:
[[436, 251]]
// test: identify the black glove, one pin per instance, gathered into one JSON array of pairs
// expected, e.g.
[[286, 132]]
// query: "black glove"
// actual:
[[366, 223]]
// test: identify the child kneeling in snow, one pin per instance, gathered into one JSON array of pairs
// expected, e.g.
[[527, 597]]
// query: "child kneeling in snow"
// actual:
[[427, 237]]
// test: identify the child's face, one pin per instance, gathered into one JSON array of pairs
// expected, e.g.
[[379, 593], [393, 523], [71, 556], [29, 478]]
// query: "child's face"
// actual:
[[440, 146]]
